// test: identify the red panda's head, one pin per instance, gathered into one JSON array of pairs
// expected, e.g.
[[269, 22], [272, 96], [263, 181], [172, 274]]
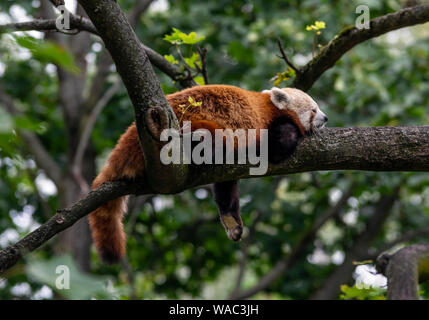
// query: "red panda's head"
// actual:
[[299, 104]]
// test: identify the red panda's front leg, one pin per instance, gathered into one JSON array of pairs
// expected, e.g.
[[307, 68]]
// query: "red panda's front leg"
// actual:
[[283, 137]]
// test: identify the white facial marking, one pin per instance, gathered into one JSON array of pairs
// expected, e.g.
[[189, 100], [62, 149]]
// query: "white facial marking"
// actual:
[[304, 118], [307, 110]]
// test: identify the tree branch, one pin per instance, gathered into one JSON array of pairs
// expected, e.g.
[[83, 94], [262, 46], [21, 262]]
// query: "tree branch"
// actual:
[[144, 89], [404, 270], [352, 36], [85, 24], [76, 22], [285, 58], [65, 218], [104, 60], [372, 149]]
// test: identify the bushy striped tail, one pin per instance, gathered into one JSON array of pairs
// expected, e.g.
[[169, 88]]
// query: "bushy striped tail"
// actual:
[[125, 162]]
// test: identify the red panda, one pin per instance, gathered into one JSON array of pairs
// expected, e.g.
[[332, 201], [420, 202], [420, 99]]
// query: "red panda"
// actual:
[[287, 114]]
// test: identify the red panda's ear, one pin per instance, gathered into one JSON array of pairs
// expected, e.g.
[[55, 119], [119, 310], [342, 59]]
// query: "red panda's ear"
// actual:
[[279, 98]]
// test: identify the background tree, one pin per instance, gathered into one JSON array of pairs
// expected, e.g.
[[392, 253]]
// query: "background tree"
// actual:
[[304, 230]]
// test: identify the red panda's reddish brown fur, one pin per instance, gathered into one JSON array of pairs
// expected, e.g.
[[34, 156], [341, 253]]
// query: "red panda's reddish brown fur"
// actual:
[[222, 107]]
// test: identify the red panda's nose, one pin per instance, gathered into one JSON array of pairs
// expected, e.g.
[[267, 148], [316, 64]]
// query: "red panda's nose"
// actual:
[[325, 118]]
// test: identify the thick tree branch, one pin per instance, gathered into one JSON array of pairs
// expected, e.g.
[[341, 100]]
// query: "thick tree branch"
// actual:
[[352, 36], [144, 89], [104, 60], [404, 270], [372, 149], [64, 219]]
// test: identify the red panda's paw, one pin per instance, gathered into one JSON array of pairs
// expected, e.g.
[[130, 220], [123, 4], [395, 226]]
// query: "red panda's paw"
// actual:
[[226, 198], [233, 226]]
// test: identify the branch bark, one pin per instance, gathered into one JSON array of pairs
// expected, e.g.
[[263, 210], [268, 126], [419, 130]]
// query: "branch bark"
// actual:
[[76, 22], [404, 270], [352, 36], [372, 149], [84, 24], [144, 89], [64, 219]]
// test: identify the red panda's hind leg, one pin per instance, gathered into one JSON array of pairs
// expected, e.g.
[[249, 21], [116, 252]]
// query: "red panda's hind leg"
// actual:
[[226, 198]]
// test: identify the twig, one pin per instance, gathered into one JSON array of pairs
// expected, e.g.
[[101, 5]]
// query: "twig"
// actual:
[[285, 58], [352, 36], [85, 24], [203, 69], [187, 68]]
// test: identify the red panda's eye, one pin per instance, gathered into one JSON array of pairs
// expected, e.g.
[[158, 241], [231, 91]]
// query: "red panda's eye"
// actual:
[[314, 110]]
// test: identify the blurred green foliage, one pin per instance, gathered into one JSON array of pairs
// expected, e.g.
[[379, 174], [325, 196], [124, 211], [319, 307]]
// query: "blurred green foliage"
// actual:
[[358, 293], [176, 246]]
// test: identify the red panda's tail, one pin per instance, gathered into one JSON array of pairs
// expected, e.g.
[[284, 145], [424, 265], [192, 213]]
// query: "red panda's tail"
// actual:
[[125, 161]]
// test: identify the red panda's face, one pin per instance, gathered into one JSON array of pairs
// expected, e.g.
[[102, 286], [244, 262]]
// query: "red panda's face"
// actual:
[[301, 104]]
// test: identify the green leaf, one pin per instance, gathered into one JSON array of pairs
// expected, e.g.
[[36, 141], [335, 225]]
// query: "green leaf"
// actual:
[[192, 60], [191, 38], [171, 59], [174, 37], [355, 293], [48, 52], [199, 80], [24, 122], [178, 37]]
